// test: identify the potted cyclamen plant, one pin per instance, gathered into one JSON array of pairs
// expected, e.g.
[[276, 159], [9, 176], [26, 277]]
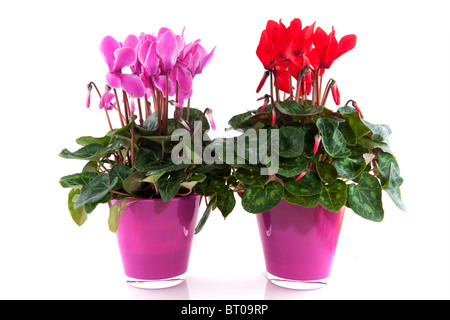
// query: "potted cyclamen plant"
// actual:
[[135, 168], [325, 159]]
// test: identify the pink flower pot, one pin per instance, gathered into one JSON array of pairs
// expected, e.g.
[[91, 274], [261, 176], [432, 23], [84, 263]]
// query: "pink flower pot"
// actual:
[[155, 239], [299, 244]]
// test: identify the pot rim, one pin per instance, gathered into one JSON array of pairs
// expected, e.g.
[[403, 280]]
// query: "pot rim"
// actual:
[[158, 199]]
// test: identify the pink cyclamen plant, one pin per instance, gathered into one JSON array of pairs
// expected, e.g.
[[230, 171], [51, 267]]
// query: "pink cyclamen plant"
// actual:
[[161, 67]]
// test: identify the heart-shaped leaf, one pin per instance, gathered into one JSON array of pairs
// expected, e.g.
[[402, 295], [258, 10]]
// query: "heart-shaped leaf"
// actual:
[[365, 198], [334, 196], [259, 197], [332, 139]]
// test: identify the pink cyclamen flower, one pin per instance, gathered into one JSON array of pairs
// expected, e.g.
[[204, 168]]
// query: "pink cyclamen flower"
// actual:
[[209, 113], [317, 140], [168, 48], [117, 58], [106, 101], [336, 94], [301, 175]]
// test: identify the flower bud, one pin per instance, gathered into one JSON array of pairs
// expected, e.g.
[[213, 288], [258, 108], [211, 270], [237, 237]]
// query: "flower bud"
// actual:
[[355, 105], [266, 102], [263, 81], [184, 123], [300, 176], [317, 140], [336, 94], [209, 113], [88, 98]]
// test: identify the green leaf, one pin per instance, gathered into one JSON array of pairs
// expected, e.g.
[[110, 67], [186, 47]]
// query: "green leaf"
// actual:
[[90, 152], [291, 141], [246, 176], [293, 108], [77, 180], [115, 213], [95, 190], [396, 197], [84, 141], [370, 144], [147, 156], [365, 198], [332, 139], [334, 196], [239, 121], [389, 171], [309, 185], [354, 121], [122, 172], [380, 132], [78, 215], [164, 166], [218, 186], [153, 179], [197, 178], [226, 202], [151, 123], [205, 216], [133, 184], [91, 166], [304, 201], [350, 168], [327, 172], [169, 184], [290, 167], [259, 197]]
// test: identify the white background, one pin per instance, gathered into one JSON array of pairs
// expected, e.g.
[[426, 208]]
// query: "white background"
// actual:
[[399, 73]]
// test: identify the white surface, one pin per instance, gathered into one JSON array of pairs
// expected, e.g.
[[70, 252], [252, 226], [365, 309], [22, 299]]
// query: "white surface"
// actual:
[[398, 73]]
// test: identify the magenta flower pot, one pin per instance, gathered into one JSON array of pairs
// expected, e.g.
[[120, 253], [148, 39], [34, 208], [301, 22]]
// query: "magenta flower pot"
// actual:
[[299, 244], [155, 240]]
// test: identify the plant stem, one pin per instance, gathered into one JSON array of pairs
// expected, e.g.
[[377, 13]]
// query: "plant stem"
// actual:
[[188, 110], [326, 92], [166, 111], [109, 121], [106, 111], [141, 121], [126, 106], [132, 140], [277, 92], [118, 107]]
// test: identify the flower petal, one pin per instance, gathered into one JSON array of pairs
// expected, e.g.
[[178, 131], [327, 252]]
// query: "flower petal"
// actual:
[[205, 61], [132, 84], [113, 80], [346, 44], [131, 41], [167, 49], [184, 78], [151, 63], [107, 48], [124, 57]]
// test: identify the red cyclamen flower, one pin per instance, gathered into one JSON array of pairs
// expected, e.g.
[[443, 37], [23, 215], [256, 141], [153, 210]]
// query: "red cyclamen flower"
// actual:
[[329, 49]]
